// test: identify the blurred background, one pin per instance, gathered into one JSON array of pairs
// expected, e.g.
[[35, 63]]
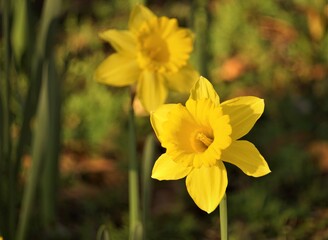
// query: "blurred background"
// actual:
[[75, 130]]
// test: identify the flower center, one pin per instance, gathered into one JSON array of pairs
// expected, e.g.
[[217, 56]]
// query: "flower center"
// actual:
[[204, 139], [154, 50], [201, 140], [162, 45]]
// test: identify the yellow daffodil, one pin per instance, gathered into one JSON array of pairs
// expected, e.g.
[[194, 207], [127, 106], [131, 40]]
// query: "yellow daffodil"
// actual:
[[202, 135], [153, 53]]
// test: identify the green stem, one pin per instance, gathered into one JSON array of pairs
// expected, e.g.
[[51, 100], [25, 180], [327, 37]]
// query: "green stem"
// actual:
[[38, 153], [224, 218], [133, 178], [148, 159]]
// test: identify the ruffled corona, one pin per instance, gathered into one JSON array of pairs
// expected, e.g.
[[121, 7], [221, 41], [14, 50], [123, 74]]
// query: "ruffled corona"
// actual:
[[195, 140], [163, 46]]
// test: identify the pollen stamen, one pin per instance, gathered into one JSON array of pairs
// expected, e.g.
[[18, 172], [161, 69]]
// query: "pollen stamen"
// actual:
[[204, 139]]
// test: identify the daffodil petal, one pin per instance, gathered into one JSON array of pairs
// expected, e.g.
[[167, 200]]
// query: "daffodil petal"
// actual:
[[179, 129], [151, 90], [120, 40], [222, 130], [167, 169], [207, 185], [159, 117], [138, 16], [183, 80], [203, 89], [245, 155], [243, 112], [118, 70]]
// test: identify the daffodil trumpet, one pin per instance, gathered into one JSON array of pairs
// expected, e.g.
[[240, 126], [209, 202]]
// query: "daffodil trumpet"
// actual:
[[200, 136], [153, 54]]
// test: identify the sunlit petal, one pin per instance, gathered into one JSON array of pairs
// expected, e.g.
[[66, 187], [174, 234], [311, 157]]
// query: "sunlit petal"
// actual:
[[183, 80], [151, 90], [203, 89], [120, 40], [179, 131], [243, 112], [207, 185], [201, 110], [245, 155], [159, 117], [167, 169], [118, 70], [139, 15]]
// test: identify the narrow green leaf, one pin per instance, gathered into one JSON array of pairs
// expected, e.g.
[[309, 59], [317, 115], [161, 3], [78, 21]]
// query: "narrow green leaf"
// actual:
[[50, 172], [19, 29], [38, 152], [38, 79], [6, 208]]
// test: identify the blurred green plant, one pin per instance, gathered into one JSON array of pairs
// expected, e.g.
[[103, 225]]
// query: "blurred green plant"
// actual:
[[271, 46], [85, 127], [30, 58]]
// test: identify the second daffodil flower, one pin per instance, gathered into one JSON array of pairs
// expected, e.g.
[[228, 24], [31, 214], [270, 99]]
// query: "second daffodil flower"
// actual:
[[201, 136], [153, 53]]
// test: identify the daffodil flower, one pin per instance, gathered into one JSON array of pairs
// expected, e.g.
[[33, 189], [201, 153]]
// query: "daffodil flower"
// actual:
[[201, 136], [153, 53]]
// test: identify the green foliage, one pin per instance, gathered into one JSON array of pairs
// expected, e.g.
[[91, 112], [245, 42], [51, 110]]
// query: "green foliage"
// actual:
[[93, 115], [276, 45]]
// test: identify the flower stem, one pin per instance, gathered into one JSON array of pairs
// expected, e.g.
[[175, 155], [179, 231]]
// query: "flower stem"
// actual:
[[133, 179], [148, 161], [224, 218]]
